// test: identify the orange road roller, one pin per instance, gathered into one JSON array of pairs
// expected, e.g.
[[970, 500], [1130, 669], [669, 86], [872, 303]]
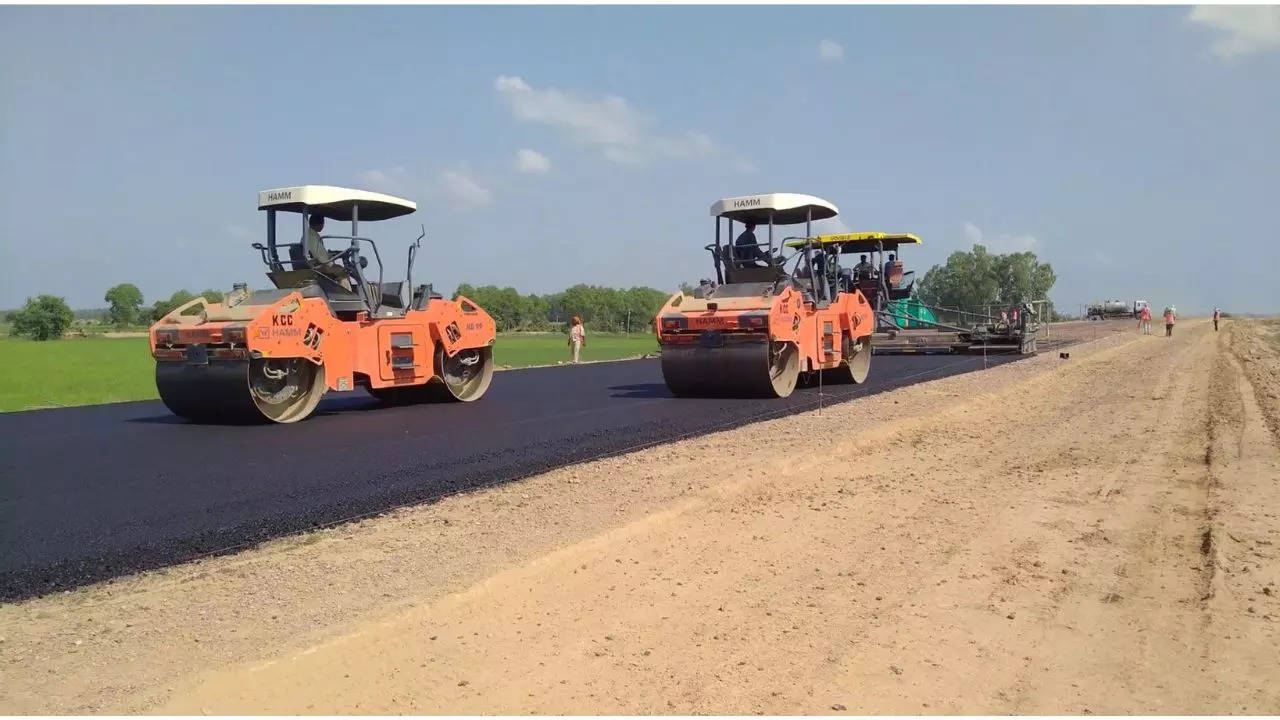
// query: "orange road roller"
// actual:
[[767, 321], [269, 355]]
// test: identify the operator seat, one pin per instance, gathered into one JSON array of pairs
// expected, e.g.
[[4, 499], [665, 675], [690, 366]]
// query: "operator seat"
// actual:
[[298, 257]]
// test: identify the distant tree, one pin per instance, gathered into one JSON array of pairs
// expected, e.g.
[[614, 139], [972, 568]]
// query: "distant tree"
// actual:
[[600, 308], [213, 296], [125, 301], [977, 278], [164, 307], [1022, 278], [45, 317]]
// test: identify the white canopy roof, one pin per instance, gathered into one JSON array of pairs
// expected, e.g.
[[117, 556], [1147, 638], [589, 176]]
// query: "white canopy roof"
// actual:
[[786, 208], [335, 203]]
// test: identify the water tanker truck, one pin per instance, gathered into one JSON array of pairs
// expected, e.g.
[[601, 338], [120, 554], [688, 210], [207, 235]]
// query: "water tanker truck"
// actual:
[[1115, 309]]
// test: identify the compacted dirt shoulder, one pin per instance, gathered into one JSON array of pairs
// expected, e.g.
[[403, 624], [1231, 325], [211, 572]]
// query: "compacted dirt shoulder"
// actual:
[[1089, 534]]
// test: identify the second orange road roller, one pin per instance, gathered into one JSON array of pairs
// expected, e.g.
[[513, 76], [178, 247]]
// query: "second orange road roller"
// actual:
[[269, 355], [767, 321]]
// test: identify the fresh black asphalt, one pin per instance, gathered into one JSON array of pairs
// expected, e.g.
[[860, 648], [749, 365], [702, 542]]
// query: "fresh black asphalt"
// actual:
[[90, 493]]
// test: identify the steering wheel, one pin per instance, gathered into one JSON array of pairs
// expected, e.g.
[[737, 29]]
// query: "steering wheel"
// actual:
[[334, 258]]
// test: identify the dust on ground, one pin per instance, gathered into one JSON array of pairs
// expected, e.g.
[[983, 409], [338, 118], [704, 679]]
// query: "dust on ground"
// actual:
[[1095, 534]]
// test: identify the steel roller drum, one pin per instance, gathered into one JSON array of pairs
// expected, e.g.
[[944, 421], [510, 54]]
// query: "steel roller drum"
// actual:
[[217, 392], [225, 392], [731, 370]]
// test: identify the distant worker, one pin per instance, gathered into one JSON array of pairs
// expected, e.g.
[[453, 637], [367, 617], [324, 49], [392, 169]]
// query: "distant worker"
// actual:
[[1170, 316], [863, 268], [888, 270], [319, 256], [577, 337], [1216, 314], [746, 251], [1144, 320]]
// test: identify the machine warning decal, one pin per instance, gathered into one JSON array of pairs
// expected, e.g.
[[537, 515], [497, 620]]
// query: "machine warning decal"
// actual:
[[451, 330], [795, 322]]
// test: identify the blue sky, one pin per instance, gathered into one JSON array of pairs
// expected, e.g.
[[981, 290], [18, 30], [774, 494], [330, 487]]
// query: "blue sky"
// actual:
[[1134, 148]]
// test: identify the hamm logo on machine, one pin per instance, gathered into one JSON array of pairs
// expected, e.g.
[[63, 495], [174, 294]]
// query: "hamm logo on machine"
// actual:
[[712, 322]]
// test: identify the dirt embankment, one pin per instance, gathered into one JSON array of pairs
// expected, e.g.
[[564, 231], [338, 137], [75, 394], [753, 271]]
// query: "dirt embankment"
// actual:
[[1096, 534]]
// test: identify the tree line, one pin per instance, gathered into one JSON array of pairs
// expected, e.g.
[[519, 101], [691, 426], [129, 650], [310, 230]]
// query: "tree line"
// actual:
[[601, 308], [968, 280], [47, 317], [975, 279]]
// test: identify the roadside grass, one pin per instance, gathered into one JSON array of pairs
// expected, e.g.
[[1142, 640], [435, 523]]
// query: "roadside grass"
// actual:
[[525, 349], [95, 369], [73, 371]]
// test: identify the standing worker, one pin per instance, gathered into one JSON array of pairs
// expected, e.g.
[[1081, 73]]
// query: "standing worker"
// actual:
[[1170, 315], [1144, 320], [1216, 314], [577, 337]]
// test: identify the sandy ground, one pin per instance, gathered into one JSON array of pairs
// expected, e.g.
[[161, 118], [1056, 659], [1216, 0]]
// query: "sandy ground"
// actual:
[[1095, 534]]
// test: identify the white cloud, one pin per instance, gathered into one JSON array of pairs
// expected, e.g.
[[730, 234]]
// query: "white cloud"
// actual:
[[464, 190], [608, 122], [1253, 28], [391, 180], [1002, 243], [532, 161], [830, 50]]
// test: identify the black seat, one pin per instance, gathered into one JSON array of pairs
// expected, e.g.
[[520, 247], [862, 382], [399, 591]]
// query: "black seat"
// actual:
[[390, 294], [297, 256]]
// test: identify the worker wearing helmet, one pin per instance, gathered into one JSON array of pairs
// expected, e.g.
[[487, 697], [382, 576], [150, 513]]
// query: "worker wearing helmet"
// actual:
[[1170, 316], [319, 256]]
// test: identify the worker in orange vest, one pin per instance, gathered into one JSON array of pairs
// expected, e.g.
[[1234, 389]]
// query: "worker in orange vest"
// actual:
[[1169, 317], [1144, 320]]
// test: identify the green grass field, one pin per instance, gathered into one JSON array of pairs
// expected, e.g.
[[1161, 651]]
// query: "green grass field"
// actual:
[[93, 370]]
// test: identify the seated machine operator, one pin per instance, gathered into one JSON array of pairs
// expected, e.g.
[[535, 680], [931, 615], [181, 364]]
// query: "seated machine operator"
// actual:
[[863, 269], [318, 254], [747, 252]]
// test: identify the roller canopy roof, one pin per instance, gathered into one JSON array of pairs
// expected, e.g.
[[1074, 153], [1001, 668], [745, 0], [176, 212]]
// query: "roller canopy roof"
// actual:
[[335, 203], [785, 208], [862, 241]]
